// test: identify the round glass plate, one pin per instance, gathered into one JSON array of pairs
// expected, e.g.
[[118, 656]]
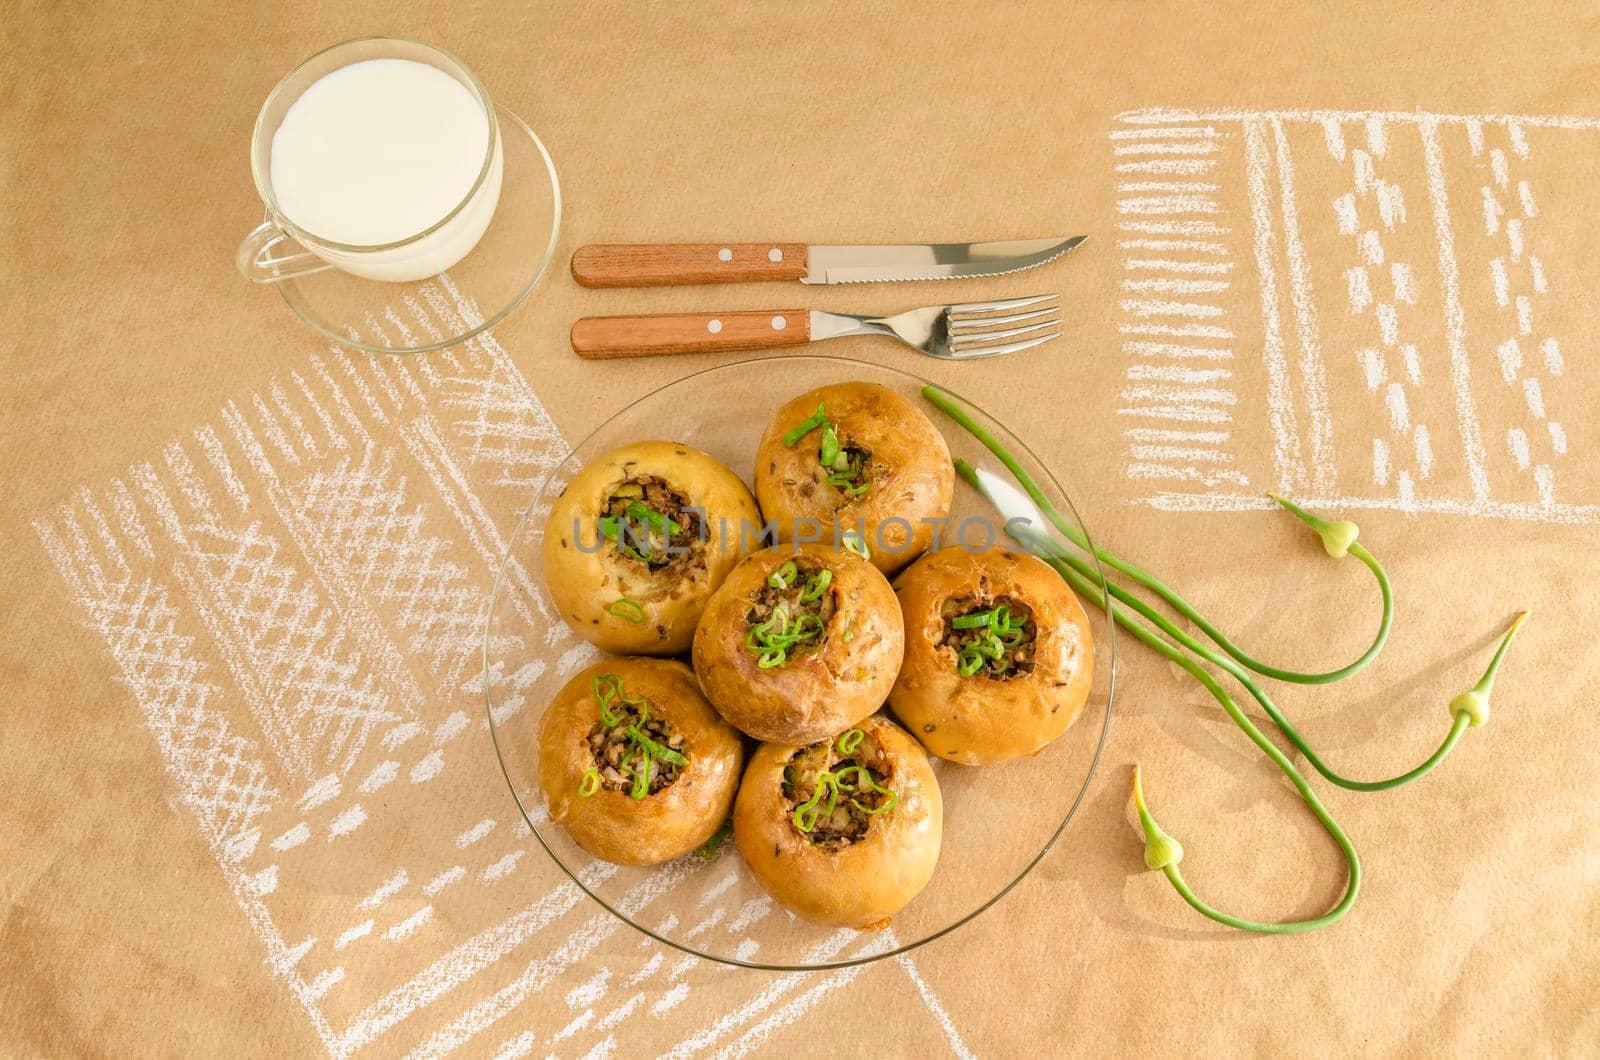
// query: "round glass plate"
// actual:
[[999, 821], [496, 276]]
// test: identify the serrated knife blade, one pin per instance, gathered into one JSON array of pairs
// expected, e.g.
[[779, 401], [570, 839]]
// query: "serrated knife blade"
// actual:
[[930, 261]]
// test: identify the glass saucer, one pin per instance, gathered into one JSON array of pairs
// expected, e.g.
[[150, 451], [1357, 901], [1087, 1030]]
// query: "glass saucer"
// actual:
[[999, 820], [487, 284]]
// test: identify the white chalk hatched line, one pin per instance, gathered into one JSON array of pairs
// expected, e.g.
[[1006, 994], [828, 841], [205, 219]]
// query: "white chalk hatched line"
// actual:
[[1155, 308], [1175, 373], [1533, 395], [1203, 395], [292, 838], [515, 1048], [1178, 413], [1167, 286], [1210, 268], [1551, 348], [1313, 379], [1164, 434], [1455, 315], [1191, 132], [475, 833], [1187, 474], [502, 868], [444, 879], [1181, 228], [1182, 115], [359, 931], [1189, 186], [1288, 467], [1196, 245], [1186, 166], [1168, 204], [1190, 331], [1154, 453], [386, 890], [408, 926], [1177, 350], [1202, 148]]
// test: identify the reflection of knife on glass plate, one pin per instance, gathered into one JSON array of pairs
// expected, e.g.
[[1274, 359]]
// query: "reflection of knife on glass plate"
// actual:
[[666, 264]]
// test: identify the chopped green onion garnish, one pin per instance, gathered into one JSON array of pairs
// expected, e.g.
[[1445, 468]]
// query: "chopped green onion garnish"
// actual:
[[641, 775], [816, 585], [852, 541], [817, 419], [611, 528], [589, 784], [661, 751], [829, 454], [806, 627], [850, 741], [977, 621], [784, 576], [807, 814], [626, 609], [971, 662], [772, 659], [650, 517], [856, 491], [605, 688], [888, 804]]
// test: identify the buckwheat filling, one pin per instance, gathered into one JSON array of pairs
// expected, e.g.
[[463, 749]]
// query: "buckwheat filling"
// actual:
[[992, 640], [836, 787], [632, 750], [841, 464], [788, 616], [649, 522]]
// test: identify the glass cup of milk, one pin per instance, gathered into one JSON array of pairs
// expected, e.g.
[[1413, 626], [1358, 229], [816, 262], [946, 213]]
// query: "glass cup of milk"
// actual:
[[381, 157]]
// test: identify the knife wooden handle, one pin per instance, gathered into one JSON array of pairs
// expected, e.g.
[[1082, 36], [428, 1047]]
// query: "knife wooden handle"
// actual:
[[653, 336], [669, 264]]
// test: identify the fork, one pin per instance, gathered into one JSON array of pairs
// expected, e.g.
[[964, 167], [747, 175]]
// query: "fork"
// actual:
[[958, 332]]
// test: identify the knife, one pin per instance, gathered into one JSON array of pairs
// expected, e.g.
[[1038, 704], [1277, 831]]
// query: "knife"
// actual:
[[668, 264]]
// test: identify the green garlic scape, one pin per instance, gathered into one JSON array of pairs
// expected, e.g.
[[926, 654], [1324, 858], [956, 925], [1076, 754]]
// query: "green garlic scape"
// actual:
[[1151, 627]]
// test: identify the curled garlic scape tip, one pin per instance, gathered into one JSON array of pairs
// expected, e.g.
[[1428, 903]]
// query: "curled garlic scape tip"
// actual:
[[1337, 534], [1473, 704], [1160, 849]]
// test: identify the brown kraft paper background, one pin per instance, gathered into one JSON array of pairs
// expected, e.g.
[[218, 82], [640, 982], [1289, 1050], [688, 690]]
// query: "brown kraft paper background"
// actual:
[[1404, 207]]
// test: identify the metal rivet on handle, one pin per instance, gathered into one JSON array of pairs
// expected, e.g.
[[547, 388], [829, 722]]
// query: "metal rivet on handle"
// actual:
[[778, 323], [714, 326], [774, 254], [725, 254]]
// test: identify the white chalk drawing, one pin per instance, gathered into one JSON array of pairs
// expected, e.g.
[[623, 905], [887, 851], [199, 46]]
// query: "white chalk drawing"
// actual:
[[1272, 259], [293, 594]]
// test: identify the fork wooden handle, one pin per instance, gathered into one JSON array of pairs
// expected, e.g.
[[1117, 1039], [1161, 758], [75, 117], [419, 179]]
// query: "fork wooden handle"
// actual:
[[669, 264], [654, 336]]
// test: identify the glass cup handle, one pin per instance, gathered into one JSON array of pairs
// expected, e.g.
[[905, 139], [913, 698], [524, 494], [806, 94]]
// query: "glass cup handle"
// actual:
[[268, 255]]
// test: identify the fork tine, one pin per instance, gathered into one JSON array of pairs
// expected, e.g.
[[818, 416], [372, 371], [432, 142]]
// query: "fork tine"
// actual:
[[979, 322], [966, 339], [992, 307], [973, 353]]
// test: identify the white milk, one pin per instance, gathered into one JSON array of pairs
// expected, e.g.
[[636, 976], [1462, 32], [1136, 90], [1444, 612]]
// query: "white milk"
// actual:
[[378, 152]]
